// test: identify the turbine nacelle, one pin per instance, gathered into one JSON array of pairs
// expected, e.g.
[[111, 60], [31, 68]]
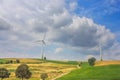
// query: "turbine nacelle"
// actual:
[[41, 41]]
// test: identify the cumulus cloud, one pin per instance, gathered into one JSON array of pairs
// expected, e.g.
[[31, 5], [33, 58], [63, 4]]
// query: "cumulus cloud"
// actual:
[[30, 19], [89, 56], [4, 26], [5, 30], [113, 52], [58, 50], [82, 32], [62, 19], [73, 5]]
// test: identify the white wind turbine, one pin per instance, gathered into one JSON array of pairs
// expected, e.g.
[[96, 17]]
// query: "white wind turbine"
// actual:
[[43, 44], [100, 49]]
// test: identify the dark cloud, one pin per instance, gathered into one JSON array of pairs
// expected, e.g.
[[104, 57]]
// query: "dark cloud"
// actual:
[[40, 29], [61, 19], [5, 30], [4, 26], [78, 38], [82, 32]]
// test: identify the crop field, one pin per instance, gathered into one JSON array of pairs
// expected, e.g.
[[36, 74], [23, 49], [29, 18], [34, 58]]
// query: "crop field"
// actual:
[[103, 63], [37, 67]]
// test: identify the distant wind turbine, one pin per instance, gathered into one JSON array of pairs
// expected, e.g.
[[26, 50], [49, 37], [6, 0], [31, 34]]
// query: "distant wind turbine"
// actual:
[[43, 44], [100, 49]]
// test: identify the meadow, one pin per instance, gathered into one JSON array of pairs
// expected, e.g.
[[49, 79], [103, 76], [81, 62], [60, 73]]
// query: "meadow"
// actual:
[[37, 67], [105, 70]]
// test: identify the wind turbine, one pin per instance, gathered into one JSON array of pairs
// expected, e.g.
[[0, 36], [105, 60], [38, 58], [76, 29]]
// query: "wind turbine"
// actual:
[[43, 44], [100, 49]]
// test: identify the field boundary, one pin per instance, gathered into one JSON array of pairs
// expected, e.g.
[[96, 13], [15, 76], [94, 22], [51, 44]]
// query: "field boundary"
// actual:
[[61, 75]]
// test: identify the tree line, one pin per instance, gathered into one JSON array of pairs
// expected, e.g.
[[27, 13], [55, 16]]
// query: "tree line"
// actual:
[[10, 61]]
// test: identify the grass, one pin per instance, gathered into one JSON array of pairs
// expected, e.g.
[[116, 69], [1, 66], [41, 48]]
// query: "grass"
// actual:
[[109, 72], [64, 62], [2, 61]]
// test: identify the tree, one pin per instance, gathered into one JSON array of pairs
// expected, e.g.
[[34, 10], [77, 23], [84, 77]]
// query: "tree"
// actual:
[[91, 61], [1, 62], [79, 64], [17, 61], [44, 76], [4, 73], [44, 58], [23, 71], [11, 61]]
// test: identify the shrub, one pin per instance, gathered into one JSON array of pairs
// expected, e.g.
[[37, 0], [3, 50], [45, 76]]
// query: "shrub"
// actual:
[[23, 72], [1, 62], [91, 61], [44, 76], [4, 73], [11, 61], [79, 64]]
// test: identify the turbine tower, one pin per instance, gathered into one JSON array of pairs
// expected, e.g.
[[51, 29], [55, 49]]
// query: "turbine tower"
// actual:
[[43, 44], [100, 49]]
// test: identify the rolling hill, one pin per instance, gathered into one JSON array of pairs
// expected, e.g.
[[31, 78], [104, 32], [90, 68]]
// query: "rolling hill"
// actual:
[[103, 70]]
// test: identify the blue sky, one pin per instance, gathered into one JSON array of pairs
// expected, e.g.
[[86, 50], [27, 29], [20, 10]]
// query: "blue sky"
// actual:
[[103, 12], [74, 28]]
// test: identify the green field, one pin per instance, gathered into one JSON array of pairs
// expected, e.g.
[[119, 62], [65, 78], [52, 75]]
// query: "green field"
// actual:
[[109, 72], [64, 62], [2, 61]]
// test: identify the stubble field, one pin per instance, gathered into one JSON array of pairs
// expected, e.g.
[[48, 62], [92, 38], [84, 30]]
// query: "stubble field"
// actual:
[[37, 67]]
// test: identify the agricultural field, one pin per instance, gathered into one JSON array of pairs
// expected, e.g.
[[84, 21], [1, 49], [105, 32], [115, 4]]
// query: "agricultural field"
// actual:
[[65, 70], [105, 70], [3, 61], [37, 67]]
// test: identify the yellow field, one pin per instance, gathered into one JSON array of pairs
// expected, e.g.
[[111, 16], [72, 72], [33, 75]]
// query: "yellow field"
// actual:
[[102, 63], [52, 69], [24, 60]]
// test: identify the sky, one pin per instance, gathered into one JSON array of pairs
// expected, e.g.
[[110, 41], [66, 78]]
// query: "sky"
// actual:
[[74, 29]]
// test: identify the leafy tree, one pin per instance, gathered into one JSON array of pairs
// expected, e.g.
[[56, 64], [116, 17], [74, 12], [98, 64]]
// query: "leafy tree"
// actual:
[[79, 64], [17, 61], [44, 58], [91, 61], [23, 72], [44, 76], [4, 73], [1, 62], [11, 61]]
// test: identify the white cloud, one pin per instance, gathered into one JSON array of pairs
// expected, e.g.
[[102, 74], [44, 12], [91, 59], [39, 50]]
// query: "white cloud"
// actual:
[[30, 18], [89, 56], [59, 50], [73, 5], [82, 32], [113, 52]]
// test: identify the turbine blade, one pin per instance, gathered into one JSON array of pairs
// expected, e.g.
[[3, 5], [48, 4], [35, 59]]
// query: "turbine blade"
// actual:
[[38, 41], [43, 42], [44, 36]]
